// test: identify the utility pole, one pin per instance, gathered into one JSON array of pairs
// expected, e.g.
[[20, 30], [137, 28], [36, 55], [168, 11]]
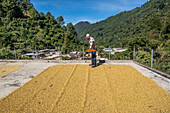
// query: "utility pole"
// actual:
[[36, 52], [14, 48], [59, 51], [152, 58], [15, 54], [133, 52], [83, 52], [109, 52]]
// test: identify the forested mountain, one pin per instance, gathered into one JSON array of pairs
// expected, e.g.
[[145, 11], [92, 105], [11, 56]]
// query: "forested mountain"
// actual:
[[81, 26], [22, 26], [145, 28], [151, 20]]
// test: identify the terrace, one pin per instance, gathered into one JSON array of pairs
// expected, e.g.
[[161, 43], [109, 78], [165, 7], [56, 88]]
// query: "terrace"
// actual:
[[72, 86]]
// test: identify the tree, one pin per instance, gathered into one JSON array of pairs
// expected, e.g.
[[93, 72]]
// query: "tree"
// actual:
[[20, 22], [1, 10], [1, 23], [71, 30], [66, 43], [156, 24], [48, 15], [6, 53], [33, 13], [42, 16], [139, 42], [143, 57], [60, 19]]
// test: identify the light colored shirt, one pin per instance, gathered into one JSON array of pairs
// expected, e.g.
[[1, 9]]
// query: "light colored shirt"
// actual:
[[91, 41]]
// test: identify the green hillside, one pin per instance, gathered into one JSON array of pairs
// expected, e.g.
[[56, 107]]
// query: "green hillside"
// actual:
[[151, 20], [22, 26], [146, 27], [81, 26]]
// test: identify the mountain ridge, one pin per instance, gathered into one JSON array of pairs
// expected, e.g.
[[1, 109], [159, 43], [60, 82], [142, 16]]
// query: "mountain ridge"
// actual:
[[80, 26], [126, 25]]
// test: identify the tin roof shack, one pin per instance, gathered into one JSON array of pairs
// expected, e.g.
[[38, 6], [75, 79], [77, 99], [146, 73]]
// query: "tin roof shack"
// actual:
[[66, 57], [35, 55], [47, 51], [79, 54], [54, 55], [44, 50], [73, 56], [51, 54], [119, 49], [51, 57], [76, 53], [69, 57]]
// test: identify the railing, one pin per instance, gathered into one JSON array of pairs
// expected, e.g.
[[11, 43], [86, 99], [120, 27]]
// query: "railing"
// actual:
[[157, 59]]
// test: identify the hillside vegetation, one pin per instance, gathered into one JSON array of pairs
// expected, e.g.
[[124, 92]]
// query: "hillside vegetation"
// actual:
[[146, 27], [23, 27], [151, 20], [81, 26]]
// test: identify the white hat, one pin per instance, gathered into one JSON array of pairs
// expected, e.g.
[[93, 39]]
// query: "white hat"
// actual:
[[87, 35]]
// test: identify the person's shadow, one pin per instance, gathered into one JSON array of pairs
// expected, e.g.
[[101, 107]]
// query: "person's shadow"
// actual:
[[100, 63]]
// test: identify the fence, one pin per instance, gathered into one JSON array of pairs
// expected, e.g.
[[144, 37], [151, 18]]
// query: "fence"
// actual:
[[36, 53], [158, 59]]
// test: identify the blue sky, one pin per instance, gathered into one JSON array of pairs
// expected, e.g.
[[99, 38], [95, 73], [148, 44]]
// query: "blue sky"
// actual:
[[85, 10]]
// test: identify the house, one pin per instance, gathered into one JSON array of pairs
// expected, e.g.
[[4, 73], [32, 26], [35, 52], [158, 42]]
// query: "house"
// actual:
[[45, 50], [73, 56], [119, 49], [73, 52], [114, 50], [51, 57], [107, 50], [35, 55]]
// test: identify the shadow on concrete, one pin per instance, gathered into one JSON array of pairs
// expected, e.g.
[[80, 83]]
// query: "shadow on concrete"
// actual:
[[98, 64]]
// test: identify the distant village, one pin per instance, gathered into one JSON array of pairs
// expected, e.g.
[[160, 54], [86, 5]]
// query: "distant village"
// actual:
[[53, 54]]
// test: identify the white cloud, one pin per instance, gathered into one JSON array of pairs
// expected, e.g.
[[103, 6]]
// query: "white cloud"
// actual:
[[75, 20], [140, 2], [102, 6], [93, 5], [37, 3], [85, 19], [106, 5], [132, 2], [125, 2], [84, 9]]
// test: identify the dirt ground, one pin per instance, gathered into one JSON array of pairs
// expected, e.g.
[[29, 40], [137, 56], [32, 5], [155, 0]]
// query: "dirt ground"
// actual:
[[79, 88]]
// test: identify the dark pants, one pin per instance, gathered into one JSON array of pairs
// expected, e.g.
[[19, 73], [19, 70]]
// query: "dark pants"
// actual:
[[93, 55]]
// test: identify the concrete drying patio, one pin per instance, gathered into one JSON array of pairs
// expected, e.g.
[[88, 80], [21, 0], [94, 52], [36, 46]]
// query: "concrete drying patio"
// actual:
[[79, 88]]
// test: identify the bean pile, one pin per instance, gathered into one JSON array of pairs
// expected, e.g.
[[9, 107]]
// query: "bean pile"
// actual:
[[6, 69], [80, 88]]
